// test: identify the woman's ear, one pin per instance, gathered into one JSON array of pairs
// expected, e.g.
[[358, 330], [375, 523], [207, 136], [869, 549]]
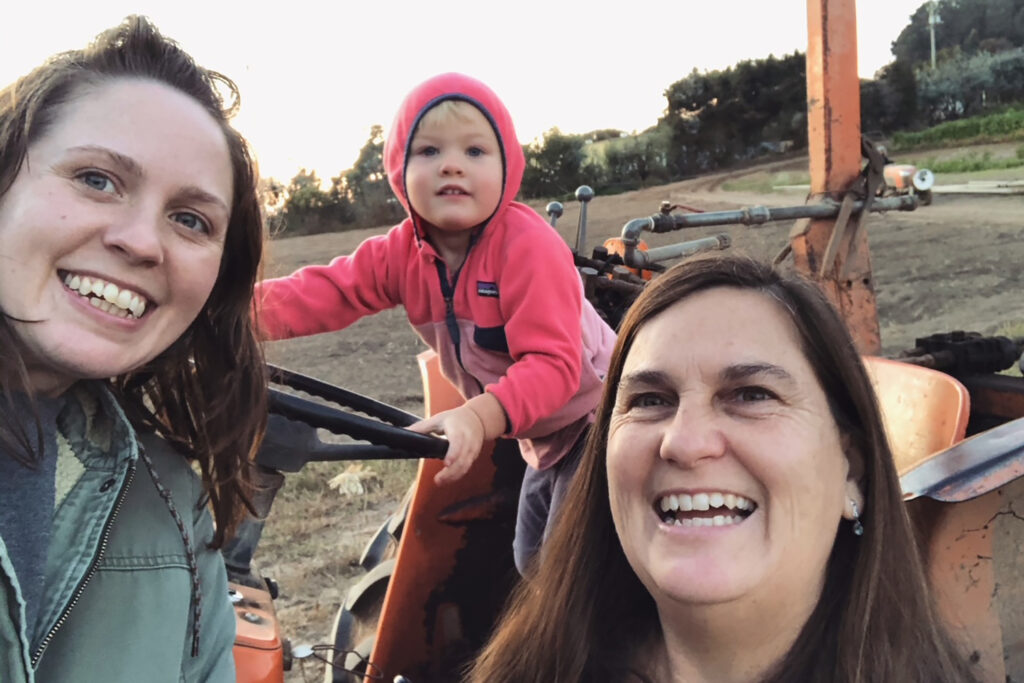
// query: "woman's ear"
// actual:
[[855, 472], [854, 496]]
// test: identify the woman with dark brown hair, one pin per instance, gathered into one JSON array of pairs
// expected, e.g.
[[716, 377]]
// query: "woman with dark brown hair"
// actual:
[[737, 516], [130, 240]]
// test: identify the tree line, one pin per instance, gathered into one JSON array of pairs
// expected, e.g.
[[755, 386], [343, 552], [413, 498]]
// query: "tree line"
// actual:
[[716, 119]]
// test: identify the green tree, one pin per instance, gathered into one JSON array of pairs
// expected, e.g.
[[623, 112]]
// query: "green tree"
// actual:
[[966, 27], [719, 117], [304, 193], [889, 102], [636, 161], [554, 165], [366, 184]]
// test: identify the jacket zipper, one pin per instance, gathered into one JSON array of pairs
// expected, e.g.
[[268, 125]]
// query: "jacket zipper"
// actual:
[[77, 594], [448, 292]]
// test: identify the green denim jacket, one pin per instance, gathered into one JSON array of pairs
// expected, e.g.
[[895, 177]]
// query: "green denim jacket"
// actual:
[[117, 600]]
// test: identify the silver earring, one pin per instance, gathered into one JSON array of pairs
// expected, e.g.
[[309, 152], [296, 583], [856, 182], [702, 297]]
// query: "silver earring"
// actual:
[[858, 528]]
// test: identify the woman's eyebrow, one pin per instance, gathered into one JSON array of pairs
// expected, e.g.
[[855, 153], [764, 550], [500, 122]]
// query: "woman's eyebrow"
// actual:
[[644, 378], [192, 193], [126, 162], [743, 371]]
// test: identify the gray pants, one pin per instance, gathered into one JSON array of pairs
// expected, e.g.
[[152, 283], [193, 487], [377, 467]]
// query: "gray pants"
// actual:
[[540, 499]]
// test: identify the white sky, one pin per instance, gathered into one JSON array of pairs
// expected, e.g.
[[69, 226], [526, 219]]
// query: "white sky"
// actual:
[[315, 75]]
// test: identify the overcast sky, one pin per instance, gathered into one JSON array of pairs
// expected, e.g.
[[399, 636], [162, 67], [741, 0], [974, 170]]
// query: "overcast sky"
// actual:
[[315, 76]]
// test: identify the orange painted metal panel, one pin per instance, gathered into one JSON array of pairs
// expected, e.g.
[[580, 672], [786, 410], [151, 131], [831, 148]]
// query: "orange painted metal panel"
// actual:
[[957, 539], [259, 656], [834, 147], [413, 633]]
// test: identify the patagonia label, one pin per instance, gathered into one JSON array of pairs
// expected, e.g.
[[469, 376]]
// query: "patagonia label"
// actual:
[[487, 288]]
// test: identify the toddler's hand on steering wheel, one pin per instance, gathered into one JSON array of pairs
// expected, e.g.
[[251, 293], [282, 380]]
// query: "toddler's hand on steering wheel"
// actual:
[[465, 433]]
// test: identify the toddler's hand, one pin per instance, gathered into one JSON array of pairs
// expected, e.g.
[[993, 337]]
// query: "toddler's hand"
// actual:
[[465, 432]]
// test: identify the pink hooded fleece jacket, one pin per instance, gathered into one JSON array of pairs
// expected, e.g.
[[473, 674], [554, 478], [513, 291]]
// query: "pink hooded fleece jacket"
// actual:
[[512, 320]]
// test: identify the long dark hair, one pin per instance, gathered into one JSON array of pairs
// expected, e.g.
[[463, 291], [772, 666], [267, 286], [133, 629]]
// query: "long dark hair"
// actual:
[[207, 392], [583, 615]]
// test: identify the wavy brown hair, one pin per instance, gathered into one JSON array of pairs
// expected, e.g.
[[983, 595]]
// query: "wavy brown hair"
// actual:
[[207, 392], [582, 615]]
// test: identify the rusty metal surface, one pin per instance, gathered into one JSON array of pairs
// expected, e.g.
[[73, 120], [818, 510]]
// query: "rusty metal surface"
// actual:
[[834, 145], [957, 545], [976, 570], [996, 396], [454, 567], [1008, 561], [971, 468]]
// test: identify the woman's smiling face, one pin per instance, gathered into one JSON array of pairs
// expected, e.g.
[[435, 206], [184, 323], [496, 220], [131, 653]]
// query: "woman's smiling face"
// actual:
[[726, 472], [112, 233]]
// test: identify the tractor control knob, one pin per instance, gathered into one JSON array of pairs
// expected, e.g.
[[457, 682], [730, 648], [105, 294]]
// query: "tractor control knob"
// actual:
[[554, 209], [584, 193]]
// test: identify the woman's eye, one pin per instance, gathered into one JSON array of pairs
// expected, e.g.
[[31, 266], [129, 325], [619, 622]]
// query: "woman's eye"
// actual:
[[753, 394], [97, 181], [647, 401], [191, 221]]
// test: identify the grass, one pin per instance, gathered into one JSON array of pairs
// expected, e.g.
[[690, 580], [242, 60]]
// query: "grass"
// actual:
[[765, 182], [972, 162], [958, 166], [1001, 126]]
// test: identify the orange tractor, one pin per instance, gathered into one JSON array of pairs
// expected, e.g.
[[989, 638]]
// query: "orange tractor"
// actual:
[[438, 571]]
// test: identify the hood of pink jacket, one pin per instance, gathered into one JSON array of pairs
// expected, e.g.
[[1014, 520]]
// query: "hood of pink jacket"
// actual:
[[452, 86]]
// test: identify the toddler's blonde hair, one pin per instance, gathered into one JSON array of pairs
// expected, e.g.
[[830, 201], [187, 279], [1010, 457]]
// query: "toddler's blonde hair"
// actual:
[[446, 111]]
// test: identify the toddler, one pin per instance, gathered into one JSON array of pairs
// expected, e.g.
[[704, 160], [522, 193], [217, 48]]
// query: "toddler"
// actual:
[[485, 282]]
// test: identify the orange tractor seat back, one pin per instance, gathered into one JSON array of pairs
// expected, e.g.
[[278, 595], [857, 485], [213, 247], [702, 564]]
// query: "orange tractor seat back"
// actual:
[[925, 411]]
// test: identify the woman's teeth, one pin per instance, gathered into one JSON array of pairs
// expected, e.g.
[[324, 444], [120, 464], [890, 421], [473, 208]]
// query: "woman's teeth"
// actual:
[[671, 507], [107, 296], [717, 520]]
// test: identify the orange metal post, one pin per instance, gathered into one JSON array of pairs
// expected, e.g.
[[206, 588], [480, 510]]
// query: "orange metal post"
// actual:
[[833, 111]]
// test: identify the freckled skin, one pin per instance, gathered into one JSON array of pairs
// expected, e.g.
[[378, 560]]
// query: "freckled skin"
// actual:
[[153, 224]]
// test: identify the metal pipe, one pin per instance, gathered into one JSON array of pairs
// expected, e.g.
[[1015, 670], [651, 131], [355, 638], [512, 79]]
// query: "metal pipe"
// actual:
[[753, 215], [643, 259], [620, 286]]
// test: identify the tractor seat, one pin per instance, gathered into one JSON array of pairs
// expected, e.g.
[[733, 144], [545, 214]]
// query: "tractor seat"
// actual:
[[924, 411]]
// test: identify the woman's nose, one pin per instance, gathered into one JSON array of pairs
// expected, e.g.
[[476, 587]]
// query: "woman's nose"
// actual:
[[138, 238], [693, 435]]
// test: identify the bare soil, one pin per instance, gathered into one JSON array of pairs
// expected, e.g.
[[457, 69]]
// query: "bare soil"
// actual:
[[956, 264]]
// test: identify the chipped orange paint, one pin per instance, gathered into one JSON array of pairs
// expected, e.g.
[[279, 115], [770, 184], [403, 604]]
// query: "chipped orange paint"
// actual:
[[427, 550], [833, 126], [957, 540]]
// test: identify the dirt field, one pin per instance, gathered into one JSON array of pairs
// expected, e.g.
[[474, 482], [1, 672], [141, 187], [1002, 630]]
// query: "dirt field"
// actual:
[[956, 264]]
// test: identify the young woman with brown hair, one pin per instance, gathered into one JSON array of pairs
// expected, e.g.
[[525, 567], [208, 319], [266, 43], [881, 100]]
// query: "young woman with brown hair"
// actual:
[[130, 240]]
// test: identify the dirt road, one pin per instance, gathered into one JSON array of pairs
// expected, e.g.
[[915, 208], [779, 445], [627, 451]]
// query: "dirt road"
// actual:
[[957, 264]]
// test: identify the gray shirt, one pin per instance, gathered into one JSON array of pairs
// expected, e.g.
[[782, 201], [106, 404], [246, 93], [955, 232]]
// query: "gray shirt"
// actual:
[[27, 496]]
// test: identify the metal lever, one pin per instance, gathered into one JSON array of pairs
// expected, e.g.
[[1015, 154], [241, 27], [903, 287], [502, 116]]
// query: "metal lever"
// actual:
[[554, 210], [584, 193]]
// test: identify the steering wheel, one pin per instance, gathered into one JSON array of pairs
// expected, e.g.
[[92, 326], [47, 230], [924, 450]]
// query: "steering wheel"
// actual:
[[291, 439]]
